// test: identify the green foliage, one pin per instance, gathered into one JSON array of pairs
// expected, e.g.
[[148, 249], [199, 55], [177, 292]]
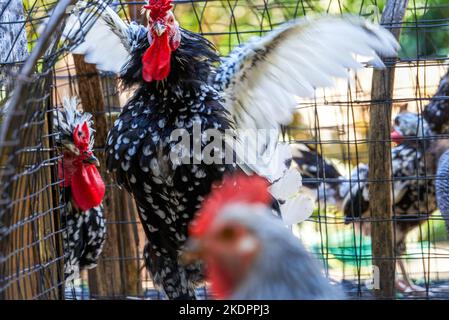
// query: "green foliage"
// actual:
[[434, 230], [230, 23], [426, 29]]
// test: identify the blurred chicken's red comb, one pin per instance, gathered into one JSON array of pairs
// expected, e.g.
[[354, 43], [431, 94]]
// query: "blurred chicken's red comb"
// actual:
[[238, 188], [158, 8], [81, 138]]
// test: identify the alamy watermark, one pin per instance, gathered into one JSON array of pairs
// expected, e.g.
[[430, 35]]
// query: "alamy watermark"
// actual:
[[213, 146], [374, 282]]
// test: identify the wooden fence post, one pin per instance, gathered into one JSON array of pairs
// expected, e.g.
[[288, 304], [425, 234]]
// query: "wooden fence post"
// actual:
[[117, 274], [104, 280], [380, 187], [134, 11]]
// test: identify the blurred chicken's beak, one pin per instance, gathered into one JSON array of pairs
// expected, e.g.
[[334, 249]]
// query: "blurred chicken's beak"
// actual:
[[396, 136], [159, 28], [71, 147], [191, 253], [93, 160]]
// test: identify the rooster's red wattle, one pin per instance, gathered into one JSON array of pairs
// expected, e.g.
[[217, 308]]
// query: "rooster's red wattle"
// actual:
[[80, 175]]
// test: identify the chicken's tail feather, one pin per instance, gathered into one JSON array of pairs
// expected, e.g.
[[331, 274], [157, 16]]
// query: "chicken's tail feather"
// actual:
[[355, 193]]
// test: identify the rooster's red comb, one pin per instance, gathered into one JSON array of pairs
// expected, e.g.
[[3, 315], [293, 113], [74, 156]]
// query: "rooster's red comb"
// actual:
[[81, 138], [158, 8], [238, 188]]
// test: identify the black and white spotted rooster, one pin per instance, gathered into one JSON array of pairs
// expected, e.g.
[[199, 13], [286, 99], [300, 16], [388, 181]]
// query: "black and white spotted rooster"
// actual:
[[413, 193], [181, 88], [82, 190]]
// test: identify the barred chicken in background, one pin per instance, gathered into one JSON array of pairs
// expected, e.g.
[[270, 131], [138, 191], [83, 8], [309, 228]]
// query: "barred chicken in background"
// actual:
[[442, 187], [248, 253], [83, 189], [179, 86]]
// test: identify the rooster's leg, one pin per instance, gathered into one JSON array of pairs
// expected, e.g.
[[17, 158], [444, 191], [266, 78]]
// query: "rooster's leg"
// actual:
[[405, 285]]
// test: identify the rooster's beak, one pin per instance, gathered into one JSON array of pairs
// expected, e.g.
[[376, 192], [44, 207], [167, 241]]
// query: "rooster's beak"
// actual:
[[396, 136], [71, 147], [93, 160], [159, 28], [191, 253]]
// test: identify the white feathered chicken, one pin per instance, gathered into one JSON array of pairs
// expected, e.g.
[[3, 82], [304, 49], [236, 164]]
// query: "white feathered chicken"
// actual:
[[178, 88]]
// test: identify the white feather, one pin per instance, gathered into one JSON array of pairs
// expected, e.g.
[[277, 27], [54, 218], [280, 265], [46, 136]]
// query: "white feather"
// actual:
[[267, 73], [96, 31], [288, 186], [296, 206], [297, 210]]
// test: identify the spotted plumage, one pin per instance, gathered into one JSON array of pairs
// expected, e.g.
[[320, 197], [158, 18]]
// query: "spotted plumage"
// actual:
[[319, 175], [84, 236], [436, 112], [138, 151]]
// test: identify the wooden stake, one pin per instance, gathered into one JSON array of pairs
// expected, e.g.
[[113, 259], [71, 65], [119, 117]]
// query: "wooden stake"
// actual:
[[135, 12], [113, 276], [105, 278], [380, 187]]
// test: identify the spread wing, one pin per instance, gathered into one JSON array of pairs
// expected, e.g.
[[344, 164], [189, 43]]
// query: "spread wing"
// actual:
[[262, 79], [95, 30]]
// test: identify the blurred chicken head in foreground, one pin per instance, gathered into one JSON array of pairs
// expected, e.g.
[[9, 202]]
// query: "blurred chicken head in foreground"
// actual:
[[249, 253]]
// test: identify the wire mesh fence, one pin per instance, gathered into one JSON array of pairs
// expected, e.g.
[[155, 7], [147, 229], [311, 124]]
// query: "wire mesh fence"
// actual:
[[329, 137]]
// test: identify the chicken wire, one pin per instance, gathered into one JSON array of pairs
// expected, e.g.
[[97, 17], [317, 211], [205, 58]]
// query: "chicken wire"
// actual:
[[335, 124]]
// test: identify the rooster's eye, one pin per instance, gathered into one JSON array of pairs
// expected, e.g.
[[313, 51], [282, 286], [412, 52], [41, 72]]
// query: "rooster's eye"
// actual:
[[226, 234]]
